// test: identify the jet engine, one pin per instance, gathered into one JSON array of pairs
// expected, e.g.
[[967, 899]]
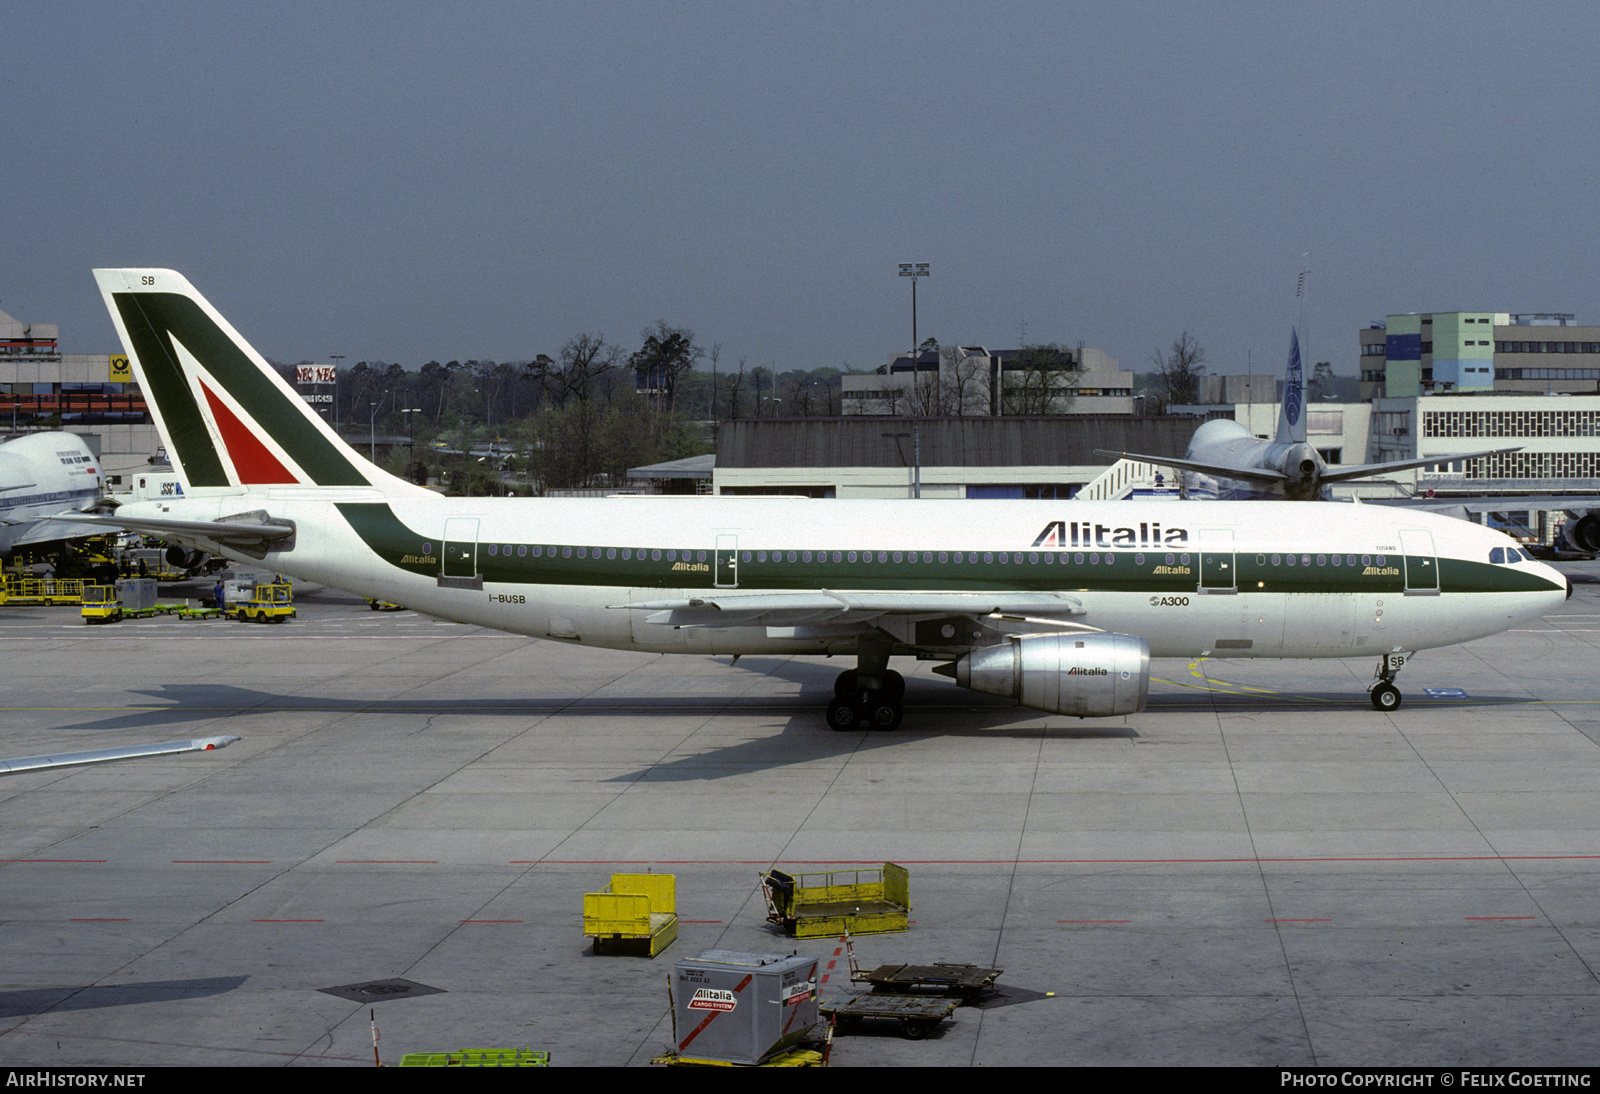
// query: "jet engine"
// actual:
[[1087, 675], [182, 558], [1584, 534]]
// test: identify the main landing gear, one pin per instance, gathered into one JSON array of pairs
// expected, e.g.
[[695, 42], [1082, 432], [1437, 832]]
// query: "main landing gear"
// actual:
[[867, 700], [1385, 696], [869, 695]]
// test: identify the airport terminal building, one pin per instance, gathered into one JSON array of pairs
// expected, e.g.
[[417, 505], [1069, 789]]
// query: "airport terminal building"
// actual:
[[1535, 353], [90, 394], [951, 457]]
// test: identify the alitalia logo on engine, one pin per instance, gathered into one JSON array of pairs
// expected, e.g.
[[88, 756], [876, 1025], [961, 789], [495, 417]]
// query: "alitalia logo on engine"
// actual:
[[1061, 533], [1086, 672]]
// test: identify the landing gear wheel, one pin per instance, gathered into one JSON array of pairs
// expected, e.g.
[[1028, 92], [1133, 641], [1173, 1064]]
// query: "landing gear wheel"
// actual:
[[845, 686], [844, 717], [1385, 697], [882, 714]]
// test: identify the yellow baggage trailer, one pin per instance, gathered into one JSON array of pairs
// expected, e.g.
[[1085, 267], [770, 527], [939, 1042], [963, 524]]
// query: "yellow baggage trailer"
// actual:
[[824, 905], [636, 912]]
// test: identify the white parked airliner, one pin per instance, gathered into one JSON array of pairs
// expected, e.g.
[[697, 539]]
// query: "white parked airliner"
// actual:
[[1058, 605]]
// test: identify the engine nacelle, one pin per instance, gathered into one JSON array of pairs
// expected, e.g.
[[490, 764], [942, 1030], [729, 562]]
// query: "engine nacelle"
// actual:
[[1087, 675], [1584, 534], [181, 558]]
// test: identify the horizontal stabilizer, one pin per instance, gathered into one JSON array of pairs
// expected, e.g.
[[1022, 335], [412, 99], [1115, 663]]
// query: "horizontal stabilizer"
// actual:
[[187, 531], [1250, 474], [1344, 473], [1495, 503]]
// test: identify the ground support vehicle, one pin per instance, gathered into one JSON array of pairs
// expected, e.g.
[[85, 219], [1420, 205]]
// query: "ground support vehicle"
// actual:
[[918, 1015], [100, 604], [26, 591], [824, 905], [794, 1057], [384, 605], [478, 1057], [636, 913], [129, 598], [271, 602]]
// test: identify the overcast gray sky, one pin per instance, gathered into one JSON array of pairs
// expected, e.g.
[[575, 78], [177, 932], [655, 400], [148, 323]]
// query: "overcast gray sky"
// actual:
[[452, 180]]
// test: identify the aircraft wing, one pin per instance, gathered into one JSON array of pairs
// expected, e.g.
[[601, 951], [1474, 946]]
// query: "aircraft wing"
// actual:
[[226, 532], [830, 608], [1495, 503], [1250, 474], [105, 755], [1342, 472]]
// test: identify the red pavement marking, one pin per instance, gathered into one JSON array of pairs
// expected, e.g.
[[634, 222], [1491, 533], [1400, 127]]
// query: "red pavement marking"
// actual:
[[107, 920], [288, 921], [222, 861], [491, 921], [1297, 921], [1502, 917], [1094, 921]]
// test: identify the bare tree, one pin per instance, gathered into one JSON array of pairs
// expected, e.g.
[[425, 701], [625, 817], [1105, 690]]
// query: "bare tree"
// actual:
[[1043, 381], [1180, 369], [966, 382]]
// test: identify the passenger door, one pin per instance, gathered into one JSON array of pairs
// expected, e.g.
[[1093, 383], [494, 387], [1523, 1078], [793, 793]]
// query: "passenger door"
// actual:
[[1421, 564]]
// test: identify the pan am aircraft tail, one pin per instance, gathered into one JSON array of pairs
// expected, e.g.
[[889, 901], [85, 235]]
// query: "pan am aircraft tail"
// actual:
[[1059, 606], [1236, 465]]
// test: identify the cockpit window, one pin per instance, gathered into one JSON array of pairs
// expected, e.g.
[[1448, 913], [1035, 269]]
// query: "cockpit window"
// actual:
[[1497, 555]]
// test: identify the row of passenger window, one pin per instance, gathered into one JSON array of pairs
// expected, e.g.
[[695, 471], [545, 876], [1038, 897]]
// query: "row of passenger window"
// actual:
[[627, 553], [1322, 560], [971, 558]]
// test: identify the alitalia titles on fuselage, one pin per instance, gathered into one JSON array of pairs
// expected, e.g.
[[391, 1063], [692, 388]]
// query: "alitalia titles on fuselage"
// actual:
[[1085, 534]]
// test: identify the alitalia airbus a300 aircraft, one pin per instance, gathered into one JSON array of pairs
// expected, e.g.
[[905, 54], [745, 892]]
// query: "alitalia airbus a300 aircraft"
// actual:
[[1057, 605]]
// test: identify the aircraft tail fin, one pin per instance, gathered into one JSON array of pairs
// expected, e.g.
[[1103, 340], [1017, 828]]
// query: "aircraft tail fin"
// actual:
[[1292, 417], [229, 421]]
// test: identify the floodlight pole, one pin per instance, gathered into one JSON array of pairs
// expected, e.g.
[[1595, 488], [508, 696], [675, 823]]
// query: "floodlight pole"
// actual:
[[913, 270]]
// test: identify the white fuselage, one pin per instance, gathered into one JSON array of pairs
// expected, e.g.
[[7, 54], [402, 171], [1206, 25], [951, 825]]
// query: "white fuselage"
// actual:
[[1110, 557], [40, 475]]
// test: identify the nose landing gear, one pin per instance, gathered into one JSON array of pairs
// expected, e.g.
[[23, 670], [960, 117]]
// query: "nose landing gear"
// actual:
[[1385, 696]]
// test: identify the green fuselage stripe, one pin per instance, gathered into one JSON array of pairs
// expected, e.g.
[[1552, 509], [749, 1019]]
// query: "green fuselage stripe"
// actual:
[[1156, 572]]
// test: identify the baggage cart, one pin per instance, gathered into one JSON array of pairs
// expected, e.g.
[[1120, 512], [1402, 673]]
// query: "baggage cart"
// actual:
[[966, 983], [918, 1015], [636, 912], [826, 905], [478, 1057]]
